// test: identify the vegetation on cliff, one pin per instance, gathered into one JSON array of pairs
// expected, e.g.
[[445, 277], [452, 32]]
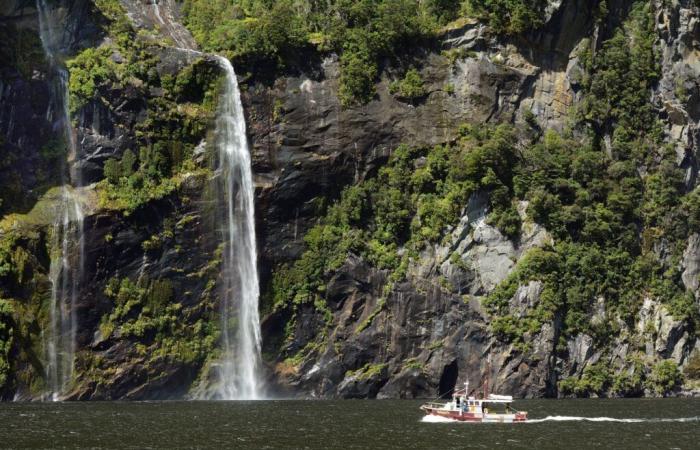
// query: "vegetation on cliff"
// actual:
[[176, 123], [584, 185], [177, 118], [5, 341], [608, 189], [508, 16], [178, 106], [23, 289], [148, 314], [363, 33], [406, 206]]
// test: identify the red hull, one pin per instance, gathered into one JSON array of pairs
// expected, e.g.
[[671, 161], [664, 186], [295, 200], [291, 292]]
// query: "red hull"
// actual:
[[476, 417]]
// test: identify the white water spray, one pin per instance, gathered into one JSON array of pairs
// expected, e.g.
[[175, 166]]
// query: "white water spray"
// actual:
[[240, 320], [156, 12], [437, 419], [612, 419], [67, 259]]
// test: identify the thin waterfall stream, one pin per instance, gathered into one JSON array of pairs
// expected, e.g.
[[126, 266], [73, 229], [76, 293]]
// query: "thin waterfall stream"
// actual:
[[241, 291], [241, 340], [68, 243]]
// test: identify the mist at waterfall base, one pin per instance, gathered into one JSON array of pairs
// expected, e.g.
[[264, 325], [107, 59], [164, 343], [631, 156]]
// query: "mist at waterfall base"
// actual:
[[346, 424]]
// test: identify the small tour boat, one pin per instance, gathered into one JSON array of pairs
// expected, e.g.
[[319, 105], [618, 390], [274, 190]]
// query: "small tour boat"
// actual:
[[465, 408]]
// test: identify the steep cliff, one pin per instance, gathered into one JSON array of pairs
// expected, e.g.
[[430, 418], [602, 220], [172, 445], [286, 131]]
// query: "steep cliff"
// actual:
[[523, 191]]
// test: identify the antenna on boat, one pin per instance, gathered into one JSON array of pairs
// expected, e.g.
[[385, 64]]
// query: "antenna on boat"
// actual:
[[488, 375]]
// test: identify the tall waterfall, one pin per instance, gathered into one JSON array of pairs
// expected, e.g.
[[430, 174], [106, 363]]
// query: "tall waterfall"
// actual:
[[240, 320], [68, 244]]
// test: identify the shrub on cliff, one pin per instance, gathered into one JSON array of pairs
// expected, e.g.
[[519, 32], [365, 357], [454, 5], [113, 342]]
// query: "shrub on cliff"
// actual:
[[692, 369], [665, 377], [6, 338], [410, 87], [88, 70], [410, 202], [148, 314], [508, 16], [596, 379], [21, 50], [362, 33]]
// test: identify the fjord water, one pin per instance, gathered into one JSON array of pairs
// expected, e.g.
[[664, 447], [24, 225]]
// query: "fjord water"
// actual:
[[241, 290], [347, 424]]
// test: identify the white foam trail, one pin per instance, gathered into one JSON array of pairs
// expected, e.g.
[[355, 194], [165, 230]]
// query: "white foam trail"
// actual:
[[437, 419], [611, 419], [431, 418]]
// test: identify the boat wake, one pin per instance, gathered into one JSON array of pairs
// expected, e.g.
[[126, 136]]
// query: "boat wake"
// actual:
[[438, 419], [610, 419], [431, 418]]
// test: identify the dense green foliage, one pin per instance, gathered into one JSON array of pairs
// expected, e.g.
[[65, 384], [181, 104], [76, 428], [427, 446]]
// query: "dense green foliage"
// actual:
[[599, 379], [410, 87], [665, 377], [692, 369], [608, 219], [410, 202], [148, 314], [22, 313], [595, 202], [88, 70], [508, 16], [21, 51], [6, 311], [362, 32], [176, 120]]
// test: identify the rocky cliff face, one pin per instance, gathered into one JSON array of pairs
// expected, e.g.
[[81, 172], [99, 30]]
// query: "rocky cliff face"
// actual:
[[147, 314], [431, 330]]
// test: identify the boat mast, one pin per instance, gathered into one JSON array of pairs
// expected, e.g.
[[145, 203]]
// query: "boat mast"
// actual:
[[488, 375]]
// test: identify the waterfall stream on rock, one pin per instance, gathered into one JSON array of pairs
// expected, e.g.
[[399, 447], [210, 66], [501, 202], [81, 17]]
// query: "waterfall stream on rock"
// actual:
[[68, 244], [240, 320]]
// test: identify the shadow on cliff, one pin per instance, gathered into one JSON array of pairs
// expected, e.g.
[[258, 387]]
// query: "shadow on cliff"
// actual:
[[550, 47]]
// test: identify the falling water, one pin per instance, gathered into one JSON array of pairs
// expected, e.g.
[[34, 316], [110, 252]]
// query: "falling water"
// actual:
[[66, 269], [168, 27], [240, 320], [156, 12]]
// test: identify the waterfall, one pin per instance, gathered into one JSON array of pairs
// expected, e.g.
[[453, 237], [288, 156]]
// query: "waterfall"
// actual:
[[156, 12], [239, 310], [65, 274], [67, 257]]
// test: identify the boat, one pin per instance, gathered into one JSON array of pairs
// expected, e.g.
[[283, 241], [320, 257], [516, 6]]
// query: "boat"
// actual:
[[466, 408]]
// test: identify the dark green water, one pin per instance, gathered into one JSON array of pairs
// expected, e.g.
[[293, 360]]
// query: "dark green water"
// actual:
[[646, 423]]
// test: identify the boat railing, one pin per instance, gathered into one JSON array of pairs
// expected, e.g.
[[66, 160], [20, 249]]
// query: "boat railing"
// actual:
[[433, 405]]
